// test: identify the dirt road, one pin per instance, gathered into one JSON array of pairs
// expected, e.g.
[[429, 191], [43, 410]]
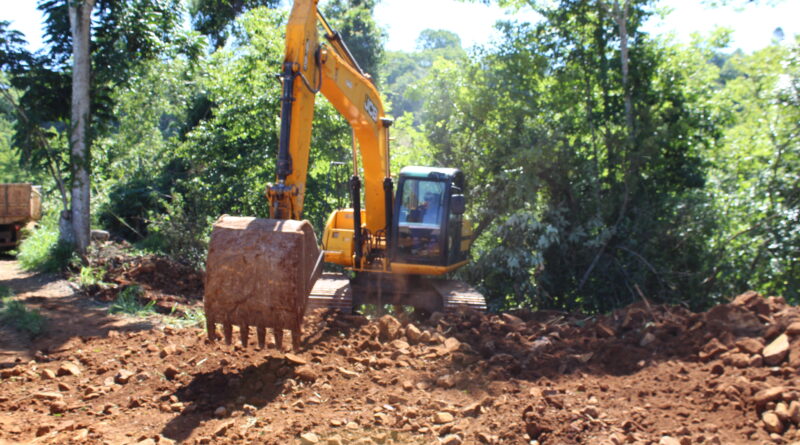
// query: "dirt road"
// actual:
[[645, 374]]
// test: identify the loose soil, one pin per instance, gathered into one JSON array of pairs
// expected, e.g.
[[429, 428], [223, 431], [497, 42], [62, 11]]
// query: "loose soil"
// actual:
[[644, 374]]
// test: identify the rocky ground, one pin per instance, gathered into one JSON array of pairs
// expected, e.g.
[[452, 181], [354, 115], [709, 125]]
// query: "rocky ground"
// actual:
[[644, 374]]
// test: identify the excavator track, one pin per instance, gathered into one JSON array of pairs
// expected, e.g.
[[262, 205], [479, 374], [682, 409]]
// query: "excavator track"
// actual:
[[336, 291], [331, 291]]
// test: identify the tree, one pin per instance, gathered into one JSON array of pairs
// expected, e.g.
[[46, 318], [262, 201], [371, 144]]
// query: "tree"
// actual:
[[93, 44], [214, 18], [353, 19], [402, 72], [77, 230], [585, 176]]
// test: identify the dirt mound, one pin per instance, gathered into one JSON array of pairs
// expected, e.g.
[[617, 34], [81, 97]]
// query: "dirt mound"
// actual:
[[643, 374], [169, 284]]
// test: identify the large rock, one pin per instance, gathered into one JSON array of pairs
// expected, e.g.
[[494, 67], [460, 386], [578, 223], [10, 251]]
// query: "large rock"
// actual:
[[754, 301], [734, 318], [442, 418], [775, 352], [765, 396], [309, 439], [69, 369], [389, 328], [750, 345], [772, 423], [413, 334]]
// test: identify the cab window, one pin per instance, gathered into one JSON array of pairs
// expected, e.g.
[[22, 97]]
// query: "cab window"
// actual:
[[423, 202]]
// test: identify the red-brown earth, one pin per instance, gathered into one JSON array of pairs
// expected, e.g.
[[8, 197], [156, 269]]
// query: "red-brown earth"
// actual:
[[644, 374]]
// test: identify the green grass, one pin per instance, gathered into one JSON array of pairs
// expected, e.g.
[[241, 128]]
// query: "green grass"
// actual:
[[91, 276], [42, 251], [15, 314], [127, 302], [194, 317]]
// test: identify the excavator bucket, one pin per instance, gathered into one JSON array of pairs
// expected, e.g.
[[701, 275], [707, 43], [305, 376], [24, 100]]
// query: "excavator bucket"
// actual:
[[259, 273]]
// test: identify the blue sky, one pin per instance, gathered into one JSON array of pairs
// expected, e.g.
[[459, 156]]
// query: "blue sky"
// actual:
[[753, 24]]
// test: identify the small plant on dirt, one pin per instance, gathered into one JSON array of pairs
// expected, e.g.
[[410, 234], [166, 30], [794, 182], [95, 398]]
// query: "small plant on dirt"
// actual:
[[14, 313], [127, 302], [193, 317], [91, 276]]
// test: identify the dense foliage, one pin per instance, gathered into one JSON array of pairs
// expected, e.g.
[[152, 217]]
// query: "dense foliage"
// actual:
[[604, 165]]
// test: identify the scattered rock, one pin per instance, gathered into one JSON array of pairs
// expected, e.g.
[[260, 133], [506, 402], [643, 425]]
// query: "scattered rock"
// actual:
[[793, 329], [765, 396], [446, 381], [48, 395], [249, 410], [123, 376], [400, 344], [772, 423], [170, 372], [473, 409], [69, 369], [782, 411], [647, 340], [451, 439], [668, 440], [794, 412], [388, 328], [348, 373], [775, 352], [295, 359], [170, 349], [224, 427], [451, 344], [750, 345], [442, 417], [413, 334], [512, 320], [309, 439], [41, 430], [305, 373], [58, 407], [48, 374], [220, 411]]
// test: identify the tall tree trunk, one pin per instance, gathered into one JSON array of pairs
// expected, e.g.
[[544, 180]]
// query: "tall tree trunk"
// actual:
[[621, 17], [80, 14]]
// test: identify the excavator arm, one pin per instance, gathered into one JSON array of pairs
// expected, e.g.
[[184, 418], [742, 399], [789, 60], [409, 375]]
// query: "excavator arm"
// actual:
[[309, 68]]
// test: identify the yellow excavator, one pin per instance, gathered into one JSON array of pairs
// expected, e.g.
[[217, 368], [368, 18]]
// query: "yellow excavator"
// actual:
[[266, 273]]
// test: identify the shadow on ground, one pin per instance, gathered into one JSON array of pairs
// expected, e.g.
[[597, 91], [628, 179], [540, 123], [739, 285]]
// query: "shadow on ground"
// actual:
[[255, 385]]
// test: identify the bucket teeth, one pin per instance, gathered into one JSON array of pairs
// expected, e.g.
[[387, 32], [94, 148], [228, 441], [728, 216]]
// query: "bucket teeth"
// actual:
[[227, 329], [261, 333], [244, 332], [244, 335], [278, 332], [211, 328]]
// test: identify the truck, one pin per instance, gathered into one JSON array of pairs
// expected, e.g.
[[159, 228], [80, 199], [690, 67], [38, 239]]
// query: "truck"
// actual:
[[20, 207]]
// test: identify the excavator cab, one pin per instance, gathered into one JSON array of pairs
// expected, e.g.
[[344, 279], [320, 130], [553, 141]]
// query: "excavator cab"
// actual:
[[429, 229]]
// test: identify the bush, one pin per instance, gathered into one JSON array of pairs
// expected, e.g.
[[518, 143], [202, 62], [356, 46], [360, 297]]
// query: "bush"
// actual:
[[181, 232], [42, 251], [91, 276]]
